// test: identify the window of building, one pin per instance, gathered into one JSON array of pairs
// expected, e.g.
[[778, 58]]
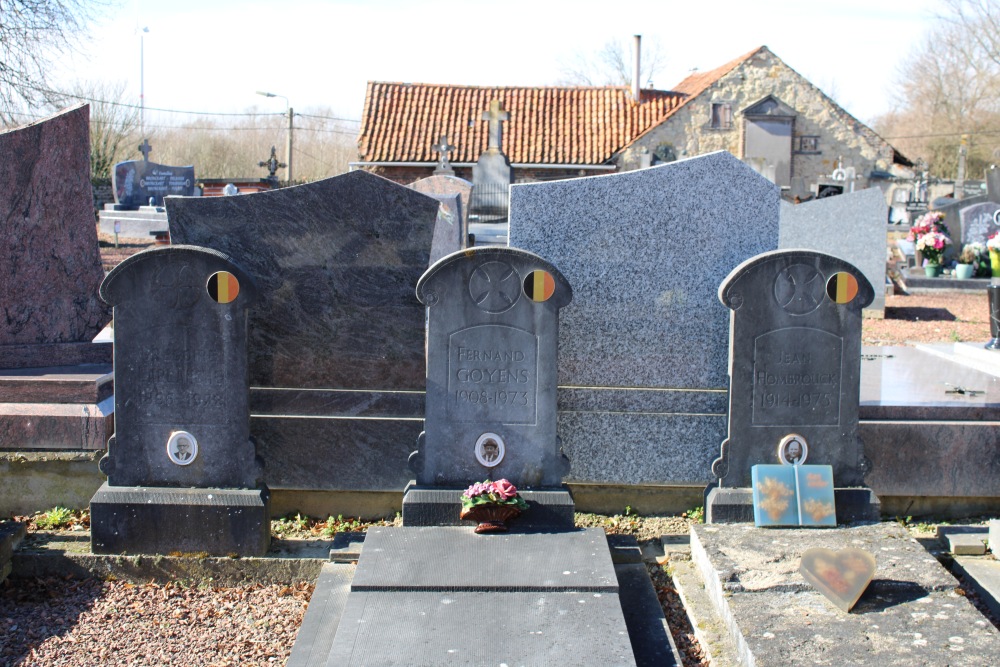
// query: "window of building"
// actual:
[[722, 116], [807, 144]]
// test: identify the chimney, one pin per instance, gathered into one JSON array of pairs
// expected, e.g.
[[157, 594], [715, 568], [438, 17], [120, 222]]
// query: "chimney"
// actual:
[[636, 86]]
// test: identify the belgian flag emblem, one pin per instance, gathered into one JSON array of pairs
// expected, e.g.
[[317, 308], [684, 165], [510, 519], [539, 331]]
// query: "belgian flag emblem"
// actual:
[[539, 285], [223, 287], [842, 287]]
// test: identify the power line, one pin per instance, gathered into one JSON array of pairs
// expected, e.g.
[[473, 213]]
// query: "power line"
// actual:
[[342, 120], [944, 134]]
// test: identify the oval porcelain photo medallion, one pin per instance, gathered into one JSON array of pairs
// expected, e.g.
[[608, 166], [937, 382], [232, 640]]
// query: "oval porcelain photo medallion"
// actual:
[[223, 287]]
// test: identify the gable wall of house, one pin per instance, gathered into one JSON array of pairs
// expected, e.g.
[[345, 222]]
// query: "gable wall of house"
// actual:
[[688, 131]]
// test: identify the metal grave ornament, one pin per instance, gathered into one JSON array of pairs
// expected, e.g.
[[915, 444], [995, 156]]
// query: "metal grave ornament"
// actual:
[[492, 331]]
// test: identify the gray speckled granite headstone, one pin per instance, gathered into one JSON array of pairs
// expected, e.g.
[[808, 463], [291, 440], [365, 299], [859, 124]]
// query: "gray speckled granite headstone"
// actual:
[[336, 262], [182, 470], [643, 346], [795, 363], [850, 226], [492, 328]]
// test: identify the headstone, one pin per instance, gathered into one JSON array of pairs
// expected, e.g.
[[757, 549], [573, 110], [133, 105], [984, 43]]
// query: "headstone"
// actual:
[[450, 234], [55, 383], [851, 227], [642, 348], [492, 175], [447, 185], [142, 183], [444, 166], [50, 265], [337, 339], [182, 470], [492, 329], [978, 223], [795, 366]]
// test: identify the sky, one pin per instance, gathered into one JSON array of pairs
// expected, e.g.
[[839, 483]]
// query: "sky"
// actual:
[[213, 55]]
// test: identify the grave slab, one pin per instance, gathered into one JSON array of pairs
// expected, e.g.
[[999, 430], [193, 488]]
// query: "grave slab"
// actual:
[[994, 536], [964, 540], [417, 592], [429, 506], [910, 613], [315, 635], [983, 573], [11, 534]]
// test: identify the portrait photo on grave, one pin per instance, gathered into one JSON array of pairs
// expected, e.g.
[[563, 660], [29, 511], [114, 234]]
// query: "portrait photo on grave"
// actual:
[[793, 449], [490, 449], [182, 448]]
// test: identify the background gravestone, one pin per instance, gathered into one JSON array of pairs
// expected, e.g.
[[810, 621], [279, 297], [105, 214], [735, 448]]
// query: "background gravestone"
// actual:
[[978, 223], [450, 234], [182, 470], [795, 364], [50, 266], [136, 182], [337, 340], [849, 226], [642, 348], [446, 185]]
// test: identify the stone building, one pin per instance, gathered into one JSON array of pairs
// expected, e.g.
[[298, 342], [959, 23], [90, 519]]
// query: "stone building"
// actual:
[[756, 107]]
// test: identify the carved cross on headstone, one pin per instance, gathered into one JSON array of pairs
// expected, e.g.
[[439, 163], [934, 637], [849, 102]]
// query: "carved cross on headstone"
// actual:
[[444, 148], [272, 165], [495, 116], [145, 148]]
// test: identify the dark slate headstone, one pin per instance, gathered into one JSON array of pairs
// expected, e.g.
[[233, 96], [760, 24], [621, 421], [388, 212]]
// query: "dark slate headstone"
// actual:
[[451, 233], [182, 443], [50, 266], [795, 363], [136, 182], [492, 331], [336, 262]]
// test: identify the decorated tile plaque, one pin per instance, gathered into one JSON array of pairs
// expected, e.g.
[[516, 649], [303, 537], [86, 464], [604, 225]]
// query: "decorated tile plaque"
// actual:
[[492, 328], [793, 495], [795, 362], [181, 412], [841, 576]]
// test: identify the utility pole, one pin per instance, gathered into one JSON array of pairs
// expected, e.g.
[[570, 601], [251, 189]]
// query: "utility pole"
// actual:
[[960, 178], [288, 150]]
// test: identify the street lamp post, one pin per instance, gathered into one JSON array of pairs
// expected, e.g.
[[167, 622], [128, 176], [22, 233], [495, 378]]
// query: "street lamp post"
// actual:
[[288, 147], [142, 82]]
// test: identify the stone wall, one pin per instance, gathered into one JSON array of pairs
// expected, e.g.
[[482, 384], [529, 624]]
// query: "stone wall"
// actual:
[[407, 175], [687, 132]]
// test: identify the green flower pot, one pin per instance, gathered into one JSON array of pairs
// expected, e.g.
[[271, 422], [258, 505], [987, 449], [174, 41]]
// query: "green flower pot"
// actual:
[[963, 271], [932, 270]]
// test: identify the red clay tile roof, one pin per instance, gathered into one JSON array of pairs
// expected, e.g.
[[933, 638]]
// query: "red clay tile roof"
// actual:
[[696, 83], [548, 125]]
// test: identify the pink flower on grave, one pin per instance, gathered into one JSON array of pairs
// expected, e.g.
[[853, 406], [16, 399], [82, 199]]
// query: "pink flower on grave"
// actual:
[[478, 489], [504, 489]]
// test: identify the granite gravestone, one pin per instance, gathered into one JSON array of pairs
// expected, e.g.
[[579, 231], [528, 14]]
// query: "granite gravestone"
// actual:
[[447, 185], [450, 233], [142, 183], [182, 471], [850, 226], [55, 383], [492, 330], [337, 340], [50, 266], [492, 175], [795, 367], [444, 165], [642, 348], [978, 223]]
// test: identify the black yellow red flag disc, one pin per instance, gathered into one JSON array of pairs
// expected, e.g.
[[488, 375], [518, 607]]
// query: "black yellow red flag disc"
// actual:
[[539, 285], [842, 287], [223, 287]]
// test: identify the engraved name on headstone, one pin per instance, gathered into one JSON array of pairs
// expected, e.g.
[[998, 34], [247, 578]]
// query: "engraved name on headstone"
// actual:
[[978, 222], [492, 328], [795, 359], [136, 182]]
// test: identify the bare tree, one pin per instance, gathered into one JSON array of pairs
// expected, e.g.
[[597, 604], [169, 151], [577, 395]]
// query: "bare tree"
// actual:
[[612, 65], [949, 89], [114, 124], [33, 35]]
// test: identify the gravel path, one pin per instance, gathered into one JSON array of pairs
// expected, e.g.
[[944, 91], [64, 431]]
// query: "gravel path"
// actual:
[[945, 317], [89, 622]]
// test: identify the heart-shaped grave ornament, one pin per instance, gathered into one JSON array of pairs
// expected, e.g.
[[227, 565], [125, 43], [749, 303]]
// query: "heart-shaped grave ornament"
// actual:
[[842, 576]]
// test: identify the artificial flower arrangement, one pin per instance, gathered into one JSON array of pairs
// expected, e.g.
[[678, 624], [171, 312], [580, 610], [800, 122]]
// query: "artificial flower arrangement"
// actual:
[[932, 245], [928, 223], [993, 243], [491, 504]]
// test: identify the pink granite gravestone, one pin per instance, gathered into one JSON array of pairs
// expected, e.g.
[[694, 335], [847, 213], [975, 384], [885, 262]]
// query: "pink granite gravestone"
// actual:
[[50, 266]]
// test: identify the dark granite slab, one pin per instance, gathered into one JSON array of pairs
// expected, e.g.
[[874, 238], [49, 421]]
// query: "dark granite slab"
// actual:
[[44, 355], [91, 383], [336, 262], [456, 559], [315, 635], [50, 267], [436, 506], [143, 520]]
